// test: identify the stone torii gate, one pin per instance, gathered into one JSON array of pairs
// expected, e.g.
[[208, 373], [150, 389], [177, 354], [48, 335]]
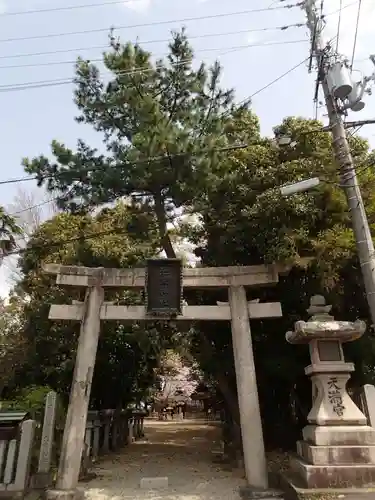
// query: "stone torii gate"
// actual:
[[94, 309]]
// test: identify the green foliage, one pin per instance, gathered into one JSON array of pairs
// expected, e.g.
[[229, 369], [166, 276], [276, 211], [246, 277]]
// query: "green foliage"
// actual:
[[127, 355], [12, 344], [9, 230], [246, 217], [246, 221], [31, 399]]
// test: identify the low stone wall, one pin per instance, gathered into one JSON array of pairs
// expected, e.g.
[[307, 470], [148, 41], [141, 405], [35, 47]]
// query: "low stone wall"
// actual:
[[106, 431], [15, 457], [110, 430]]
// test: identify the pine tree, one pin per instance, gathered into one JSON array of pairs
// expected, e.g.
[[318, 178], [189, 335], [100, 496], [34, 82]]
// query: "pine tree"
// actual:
[[162, 122]]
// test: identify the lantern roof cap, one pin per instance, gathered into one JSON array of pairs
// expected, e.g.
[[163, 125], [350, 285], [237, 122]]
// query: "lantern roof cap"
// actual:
[[323, 326]]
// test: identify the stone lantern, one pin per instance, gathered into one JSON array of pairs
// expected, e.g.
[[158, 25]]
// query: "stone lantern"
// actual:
[[338, 447]]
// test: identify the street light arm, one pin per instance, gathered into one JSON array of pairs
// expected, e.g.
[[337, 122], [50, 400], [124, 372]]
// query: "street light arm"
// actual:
[[299, 187]]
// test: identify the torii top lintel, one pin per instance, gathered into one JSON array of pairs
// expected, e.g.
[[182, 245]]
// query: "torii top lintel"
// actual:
[[199, 277]]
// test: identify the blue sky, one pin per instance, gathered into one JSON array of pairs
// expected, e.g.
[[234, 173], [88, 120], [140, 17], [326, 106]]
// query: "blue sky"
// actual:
[[32, 118]]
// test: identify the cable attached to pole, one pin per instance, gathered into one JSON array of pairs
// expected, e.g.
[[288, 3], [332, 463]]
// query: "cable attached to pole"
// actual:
[[338, 27], [356, 34]]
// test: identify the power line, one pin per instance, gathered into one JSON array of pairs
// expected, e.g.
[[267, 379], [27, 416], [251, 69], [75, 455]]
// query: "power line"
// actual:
[[112, 2], [17, 181], [356, 33], [338, 27], [23, 179], [68, 7], [155, 23], [141, 70], [138, 162], [340, 9], [115, 231], [147, 42], [41, 204], [37, 205], [117, 73], [53, 200], [37, 85], [248, 98], [71, 240], [67, 81], [64, 81], [223, 149], [278, 78]]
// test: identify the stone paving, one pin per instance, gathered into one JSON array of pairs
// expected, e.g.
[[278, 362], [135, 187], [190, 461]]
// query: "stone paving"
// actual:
[[181, 451]]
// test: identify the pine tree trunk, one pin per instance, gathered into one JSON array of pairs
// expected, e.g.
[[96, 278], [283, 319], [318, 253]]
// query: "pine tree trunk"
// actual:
[[165, 240]]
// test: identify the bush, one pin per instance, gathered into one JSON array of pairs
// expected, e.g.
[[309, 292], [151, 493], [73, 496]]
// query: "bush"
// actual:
[[31, 399]]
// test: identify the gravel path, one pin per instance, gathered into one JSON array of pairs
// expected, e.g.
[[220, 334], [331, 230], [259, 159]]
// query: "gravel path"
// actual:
[[181, 451]]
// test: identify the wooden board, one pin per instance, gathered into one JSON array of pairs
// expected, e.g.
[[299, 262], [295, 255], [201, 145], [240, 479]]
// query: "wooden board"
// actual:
[[163, 287]]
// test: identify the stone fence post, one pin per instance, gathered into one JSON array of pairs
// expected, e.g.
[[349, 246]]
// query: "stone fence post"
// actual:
[[368, 401], [43, 477], [106, 419]]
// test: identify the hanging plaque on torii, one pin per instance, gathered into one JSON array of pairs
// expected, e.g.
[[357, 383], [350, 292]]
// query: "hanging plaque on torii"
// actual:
[[163, 287]]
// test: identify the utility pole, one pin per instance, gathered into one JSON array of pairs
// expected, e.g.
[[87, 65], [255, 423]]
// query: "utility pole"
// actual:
[[349, 182]]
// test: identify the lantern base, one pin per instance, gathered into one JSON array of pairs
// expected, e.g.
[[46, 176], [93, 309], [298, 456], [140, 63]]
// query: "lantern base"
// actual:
[[345, 435], [335, 457], [293, 490], [333, 476]]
